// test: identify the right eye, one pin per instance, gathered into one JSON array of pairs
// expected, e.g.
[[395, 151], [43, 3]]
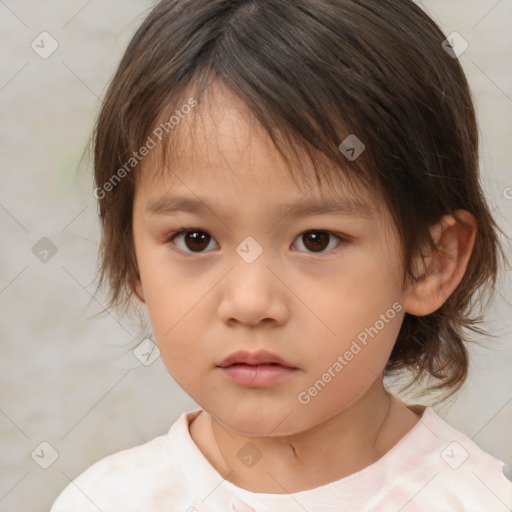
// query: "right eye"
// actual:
[[189, 241]]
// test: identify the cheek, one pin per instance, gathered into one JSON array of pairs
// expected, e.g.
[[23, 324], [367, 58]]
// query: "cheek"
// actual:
[[356, 297], [170, 298], [362, 346], [344, 371], [171, 309], [363, 312]]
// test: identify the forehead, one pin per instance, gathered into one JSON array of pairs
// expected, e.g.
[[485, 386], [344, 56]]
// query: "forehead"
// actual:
[[221, 146], [219, 135]]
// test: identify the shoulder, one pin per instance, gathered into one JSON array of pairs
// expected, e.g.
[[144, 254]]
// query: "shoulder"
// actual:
[[458, 448], [113, 471], [119, 481], [452, 469]]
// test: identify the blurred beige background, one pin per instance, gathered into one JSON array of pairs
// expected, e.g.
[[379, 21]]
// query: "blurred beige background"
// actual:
[[70, 379]]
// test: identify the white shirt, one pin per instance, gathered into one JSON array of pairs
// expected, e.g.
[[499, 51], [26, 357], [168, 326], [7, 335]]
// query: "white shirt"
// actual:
[[433, 468]]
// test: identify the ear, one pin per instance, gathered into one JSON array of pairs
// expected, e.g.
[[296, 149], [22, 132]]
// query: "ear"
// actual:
[[442, 270], [137, 288]]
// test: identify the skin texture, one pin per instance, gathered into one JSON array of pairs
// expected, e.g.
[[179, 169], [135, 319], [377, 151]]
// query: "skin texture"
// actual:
[[306, 307]]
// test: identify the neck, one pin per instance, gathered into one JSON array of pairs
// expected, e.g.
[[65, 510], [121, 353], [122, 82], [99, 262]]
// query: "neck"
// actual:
[[346, 443]]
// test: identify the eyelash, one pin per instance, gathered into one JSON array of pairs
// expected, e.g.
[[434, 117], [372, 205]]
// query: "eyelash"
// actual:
[[169, 241]]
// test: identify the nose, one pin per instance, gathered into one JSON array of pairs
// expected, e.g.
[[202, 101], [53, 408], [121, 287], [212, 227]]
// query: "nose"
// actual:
[[252, 295]]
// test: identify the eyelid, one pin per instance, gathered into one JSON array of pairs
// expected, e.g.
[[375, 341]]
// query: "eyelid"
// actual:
[[343, 239], [169, 241]]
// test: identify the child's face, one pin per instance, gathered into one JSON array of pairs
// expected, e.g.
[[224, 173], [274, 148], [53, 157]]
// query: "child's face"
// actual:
[[332, 309]]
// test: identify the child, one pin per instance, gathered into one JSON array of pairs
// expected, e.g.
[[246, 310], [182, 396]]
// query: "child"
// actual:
[[322, 157]]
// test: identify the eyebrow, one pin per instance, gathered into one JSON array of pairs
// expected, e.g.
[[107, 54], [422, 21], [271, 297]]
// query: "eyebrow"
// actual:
[[348, 206]]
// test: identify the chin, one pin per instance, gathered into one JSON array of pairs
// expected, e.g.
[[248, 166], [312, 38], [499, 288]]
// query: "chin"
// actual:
[[259, 420]]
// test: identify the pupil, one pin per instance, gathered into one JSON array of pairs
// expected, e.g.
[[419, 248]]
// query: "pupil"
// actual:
[[197, 240], [314, 241], [319, 241]]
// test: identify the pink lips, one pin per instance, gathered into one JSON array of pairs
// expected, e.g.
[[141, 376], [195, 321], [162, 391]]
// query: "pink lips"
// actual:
[[253, 358], [256, 369]]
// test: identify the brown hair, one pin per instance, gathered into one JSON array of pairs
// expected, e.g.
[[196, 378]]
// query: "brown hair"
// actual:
[[312, 73]]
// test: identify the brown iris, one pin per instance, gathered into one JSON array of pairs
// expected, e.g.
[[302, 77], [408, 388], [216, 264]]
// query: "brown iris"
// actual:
[[316, 240], [197, 240]]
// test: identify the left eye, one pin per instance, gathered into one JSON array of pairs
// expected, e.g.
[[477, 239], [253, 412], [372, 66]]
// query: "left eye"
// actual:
[[317, 241], [195, 241]]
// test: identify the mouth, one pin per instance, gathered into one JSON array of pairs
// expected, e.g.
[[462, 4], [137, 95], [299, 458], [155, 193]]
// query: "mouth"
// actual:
[[257, 375], [257, 369], [260, 358]]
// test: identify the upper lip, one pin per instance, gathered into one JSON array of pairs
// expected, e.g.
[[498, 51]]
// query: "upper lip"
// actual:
[[253, 358]]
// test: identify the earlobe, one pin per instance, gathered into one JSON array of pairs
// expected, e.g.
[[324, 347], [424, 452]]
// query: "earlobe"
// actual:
[[444, 268], [137, 288]]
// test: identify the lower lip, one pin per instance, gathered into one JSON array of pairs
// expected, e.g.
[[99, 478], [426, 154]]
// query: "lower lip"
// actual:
[[258, 376]]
